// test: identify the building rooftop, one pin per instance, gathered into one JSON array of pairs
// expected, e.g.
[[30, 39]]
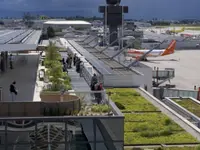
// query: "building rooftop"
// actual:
[[16, 40], [71, 22]]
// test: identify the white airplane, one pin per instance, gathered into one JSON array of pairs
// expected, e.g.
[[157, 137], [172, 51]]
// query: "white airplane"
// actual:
[[154, 53]]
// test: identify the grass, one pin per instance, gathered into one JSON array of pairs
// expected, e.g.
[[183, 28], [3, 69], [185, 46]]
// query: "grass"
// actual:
[[193, 28], [169, 148], [100, 108], [190, 105], [143, 126], [132, 101]]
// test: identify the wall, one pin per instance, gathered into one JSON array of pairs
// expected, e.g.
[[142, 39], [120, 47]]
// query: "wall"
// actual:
[[147, 78], [35, 109]]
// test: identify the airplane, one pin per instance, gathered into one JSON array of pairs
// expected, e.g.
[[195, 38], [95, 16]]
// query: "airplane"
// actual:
[[135, 53], [177, 31]]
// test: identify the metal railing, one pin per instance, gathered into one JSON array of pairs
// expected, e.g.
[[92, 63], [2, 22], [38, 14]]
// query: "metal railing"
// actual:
[[61, 132]]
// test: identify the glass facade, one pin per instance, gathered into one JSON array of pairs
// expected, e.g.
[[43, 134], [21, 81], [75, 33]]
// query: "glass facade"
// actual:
[[62, 133]]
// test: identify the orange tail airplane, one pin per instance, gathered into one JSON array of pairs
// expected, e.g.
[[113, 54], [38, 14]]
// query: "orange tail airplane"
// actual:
[[154, 53]]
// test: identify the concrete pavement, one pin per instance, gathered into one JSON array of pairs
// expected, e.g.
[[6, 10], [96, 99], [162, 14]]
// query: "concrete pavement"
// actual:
[[25, 76]]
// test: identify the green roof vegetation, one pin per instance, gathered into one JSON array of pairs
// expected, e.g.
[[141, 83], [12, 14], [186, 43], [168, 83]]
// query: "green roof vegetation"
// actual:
[[144, 123], [190, 105], [168, 148]]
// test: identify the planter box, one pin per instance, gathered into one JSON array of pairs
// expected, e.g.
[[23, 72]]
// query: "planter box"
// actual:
[[50, 96], [57, 97]]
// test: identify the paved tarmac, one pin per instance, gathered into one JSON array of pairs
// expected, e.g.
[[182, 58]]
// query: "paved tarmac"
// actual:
[[186, 65]]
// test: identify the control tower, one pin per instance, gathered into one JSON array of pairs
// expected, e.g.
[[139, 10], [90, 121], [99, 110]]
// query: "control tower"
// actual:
[[113, 18]]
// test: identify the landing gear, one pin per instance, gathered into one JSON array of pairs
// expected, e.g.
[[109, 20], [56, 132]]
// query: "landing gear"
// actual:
[[144, 59]]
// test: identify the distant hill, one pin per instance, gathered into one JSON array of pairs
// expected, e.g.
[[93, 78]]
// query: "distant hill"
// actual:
[[19, 14]]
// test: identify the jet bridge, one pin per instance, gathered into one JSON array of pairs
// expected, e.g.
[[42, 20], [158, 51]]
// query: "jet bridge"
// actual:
[[112, 73], [161, 76]]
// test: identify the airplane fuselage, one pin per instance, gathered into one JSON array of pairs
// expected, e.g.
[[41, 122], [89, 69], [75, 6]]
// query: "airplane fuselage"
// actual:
[[139, 53]]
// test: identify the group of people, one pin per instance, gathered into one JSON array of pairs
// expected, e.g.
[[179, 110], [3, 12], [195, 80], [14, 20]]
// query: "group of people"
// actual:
[[67, 63], [96, 86]]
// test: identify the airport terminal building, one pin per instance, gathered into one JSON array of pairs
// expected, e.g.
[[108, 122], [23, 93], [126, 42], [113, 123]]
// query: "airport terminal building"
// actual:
[[60, 25]]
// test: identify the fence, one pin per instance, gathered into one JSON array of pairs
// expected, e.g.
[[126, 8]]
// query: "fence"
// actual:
[[161, 93], [92, 128], [63, 133], [87, 73]]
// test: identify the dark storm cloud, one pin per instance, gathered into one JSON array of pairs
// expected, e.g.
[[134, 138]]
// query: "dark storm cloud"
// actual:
[[137, 8]]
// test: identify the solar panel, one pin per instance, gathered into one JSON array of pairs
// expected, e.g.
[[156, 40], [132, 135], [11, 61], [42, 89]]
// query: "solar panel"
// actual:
[[98, 65]]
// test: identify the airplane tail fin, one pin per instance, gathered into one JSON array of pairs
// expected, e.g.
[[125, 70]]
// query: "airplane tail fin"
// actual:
[[170, 49]]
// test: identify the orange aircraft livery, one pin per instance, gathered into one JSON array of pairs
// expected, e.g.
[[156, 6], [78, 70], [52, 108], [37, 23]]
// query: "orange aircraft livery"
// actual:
[[154, 53]]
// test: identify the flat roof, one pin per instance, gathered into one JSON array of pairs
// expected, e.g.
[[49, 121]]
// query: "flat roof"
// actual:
[[186, 65], [19, 40], [67, 22], [20, 36], [17, 47]]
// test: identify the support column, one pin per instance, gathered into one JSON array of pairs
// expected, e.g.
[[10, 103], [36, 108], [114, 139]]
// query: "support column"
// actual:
[[2, 61], [94, 133], [67, 147], [36, 136], [6, 59], [6, 136], [114, 35]]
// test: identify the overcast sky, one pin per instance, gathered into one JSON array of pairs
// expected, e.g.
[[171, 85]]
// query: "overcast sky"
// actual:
[[137, 8]]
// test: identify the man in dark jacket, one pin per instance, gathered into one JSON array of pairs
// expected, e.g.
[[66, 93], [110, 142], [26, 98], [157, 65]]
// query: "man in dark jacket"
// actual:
[[13, 90], [94, 81], [75, 58]]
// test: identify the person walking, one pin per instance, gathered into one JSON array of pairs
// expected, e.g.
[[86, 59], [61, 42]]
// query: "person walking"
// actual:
[[70, 61], [13, 91], [94, 81], [98, 96], [75, 58]]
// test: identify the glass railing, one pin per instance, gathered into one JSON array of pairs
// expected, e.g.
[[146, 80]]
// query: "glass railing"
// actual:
[[71, 133], [77, 122]]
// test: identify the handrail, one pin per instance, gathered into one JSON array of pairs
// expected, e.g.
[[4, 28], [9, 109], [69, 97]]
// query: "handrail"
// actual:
[[143, 56]]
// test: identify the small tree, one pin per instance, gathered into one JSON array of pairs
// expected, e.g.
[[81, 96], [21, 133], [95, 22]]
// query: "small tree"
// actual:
[[59, 80], [50, 32]]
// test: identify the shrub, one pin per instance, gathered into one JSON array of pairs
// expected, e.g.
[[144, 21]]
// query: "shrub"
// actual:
[[100, 108], [166, 132], [149, 134], [197, 148], [142, 127], [168, 121], [119, 105]]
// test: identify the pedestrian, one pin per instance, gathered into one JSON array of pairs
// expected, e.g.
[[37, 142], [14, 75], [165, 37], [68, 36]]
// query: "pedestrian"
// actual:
[[11, 59], [63, 61], [70, 61], [75, 58], [94, 81], [13, 91], [98, 96]]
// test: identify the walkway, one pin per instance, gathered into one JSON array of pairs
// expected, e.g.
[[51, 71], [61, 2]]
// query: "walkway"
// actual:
[[25, 77], [78, 83]]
